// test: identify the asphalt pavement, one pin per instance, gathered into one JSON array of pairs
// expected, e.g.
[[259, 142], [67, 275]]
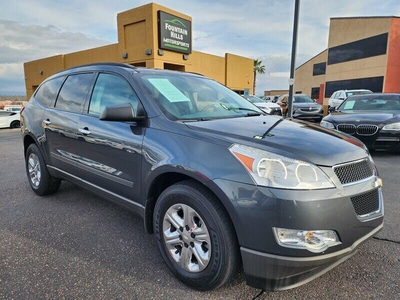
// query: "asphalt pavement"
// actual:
[[75, 245]]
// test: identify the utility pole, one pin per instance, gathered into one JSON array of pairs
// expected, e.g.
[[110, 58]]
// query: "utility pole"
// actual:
[[293, 62]]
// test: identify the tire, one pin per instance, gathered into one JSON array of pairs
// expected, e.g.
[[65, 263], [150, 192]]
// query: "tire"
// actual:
[[15, 124], [41, 182], [195, 236]]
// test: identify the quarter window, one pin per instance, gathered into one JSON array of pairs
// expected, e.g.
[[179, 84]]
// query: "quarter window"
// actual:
[[74, 92], [47, 93], [110, 90]]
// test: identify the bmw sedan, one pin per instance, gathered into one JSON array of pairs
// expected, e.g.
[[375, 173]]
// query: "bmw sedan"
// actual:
[[221, 185], [372, 118]]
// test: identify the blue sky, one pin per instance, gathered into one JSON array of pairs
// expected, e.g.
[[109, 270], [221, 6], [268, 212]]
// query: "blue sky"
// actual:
[[259, 29]]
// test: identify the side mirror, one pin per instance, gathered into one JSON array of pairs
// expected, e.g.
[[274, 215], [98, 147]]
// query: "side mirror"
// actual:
[[332, 109], [120, 112], [284, 103]]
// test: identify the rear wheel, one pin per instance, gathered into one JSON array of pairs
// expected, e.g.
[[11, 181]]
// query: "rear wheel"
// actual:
[[41, 182], [195, 236], [15, 124]]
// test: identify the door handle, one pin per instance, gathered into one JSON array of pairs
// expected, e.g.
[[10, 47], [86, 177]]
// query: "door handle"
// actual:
[[47, 122], [84, 131]]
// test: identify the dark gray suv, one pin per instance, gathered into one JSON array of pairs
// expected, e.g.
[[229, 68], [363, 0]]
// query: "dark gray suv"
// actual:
[[220, 184]]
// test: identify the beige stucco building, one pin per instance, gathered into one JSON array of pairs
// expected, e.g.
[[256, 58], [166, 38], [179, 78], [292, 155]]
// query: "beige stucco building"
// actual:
[[142, 41], [362, 53]]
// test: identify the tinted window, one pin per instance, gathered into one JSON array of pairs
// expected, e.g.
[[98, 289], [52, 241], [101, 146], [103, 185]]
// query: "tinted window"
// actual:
[[74, 92], [319, 69], [374, 84], [315, 92], [110, 90], [369, 47], [47, 93]]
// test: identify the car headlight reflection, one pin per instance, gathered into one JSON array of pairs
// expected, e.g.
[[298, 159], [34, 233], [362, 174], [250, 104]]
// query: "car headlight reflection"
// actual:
[[277, 171], [315, 241]]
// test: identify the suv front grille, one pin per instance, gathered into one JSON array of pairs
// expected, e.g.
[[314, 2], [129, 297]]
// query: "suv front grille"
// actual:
[[355, 171], [366, 203]]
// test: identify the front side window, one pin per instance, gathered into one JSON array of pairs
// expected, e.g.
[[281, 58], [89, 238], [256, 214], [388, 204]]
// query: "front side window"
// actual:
[[74, 92], [109, 90], [184, 97]]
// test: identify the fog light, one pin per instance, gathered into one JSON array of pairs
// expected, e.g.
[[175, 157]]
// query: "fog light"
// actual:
[[312, 240]]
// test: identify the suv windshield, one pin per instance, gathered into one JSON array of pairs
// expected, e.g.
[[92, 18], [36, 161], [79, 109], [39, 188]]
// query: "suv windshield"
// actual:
[[302, 99], [187, 97]]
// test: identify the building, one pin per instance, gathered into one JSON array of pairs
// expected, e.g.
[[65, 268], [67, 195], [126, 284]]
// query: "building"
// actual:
[[151, 36], [362, 53]]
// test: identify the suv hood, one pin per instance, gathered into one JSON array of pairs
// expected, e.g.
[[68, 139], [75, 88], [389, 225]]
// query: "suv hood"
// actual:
[[292, 138]]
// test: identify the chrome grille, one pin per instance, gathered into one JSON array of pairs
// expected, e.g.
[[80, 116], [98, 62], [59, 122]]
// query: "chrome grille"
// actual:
[[309, 109], [355, 171], [366, 203], [362, 129], [367, 129], [347, 128]]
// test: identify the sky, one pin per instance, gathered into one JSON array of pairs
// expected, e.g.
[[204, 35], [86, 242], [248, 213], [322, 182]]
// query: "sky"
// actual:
[[258, 29]]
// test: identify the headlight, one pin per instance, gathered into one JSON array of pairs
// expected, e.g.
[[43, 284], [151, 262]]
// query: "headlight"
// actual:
[[273, 170], [315, 241], [393, 126], [327, 124]]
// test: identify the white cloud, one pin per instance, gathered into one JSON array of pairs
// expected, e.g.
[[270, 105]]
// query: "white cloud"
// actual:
[[259, 29]]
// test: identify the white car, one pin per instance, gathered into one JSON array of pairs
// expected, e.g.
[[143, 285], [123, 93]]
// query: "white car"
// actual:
[[267, 107], [339, 96], [9, 119]]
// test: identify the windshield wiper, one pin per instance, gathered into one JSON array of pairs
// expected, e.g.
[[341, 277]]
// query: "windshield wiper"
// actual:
[[253, 111]]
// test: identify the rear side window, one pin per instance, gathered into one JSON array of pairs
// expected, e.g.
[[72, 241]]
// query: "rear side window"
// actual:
[[74, 92], [47, 92], [110, 90]]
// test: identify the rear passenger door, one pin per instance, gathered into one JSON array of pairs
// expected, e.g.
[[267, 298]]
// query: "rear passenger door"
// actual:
[[60, 123], [110, 151]]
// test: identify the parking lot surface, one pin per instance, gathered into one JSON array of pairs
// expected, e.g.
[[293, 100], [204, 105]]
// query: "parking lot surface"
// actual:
[[75, 245]]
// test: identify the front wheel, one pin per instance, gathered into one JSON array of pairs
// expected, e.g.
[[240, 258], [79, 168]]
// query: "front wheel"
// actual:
[[41, 182], [195, 236]]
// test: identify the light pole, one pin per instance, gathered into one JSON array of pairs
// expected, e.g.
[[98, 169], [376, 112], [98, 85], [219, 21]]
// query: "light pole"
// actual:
[[293, 61]]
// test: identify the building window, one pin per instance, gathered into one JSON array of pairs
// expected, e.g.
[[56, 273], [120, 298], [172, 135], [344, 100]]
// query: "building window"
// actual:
[[315, 93], [319, 69], [374, 84], [298, 92], [364, 48]]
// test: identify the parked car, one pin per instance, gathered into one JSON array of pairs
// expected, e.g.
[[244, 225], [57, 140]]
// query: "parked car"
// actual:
[[304, 108], [220, 184], [339, 96], [372, 118], [9, 119], [267, 107], [16, 108]]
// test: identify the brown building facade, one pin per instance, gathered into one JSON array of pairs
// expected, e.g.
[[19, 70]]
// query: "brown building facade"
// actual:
[[151, 36], [362, 53]]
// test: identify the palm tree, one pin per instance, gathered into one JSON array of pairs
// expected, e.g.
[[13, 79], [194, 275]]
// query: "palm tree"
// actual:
[[258, 68]]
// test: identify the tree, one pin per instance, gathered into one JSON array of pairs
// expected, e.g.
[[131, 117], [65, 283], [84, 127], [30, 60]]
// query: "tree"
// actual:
[[258, 68]]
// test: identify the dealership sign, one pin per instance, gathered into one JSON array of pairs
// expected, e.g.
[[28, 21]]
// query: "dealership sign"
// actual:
[[174, 34]]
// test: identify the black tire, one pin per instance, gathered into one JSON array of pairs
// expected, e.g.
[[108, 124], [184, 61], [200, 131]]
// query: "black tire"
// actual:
[[15, 124], [41, 182], [216, 246]]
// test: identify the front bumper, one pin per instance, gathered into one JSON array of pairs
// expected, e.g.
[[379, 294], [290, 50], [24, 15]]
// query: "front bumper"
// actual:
[[275, 272], [355, 212]]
